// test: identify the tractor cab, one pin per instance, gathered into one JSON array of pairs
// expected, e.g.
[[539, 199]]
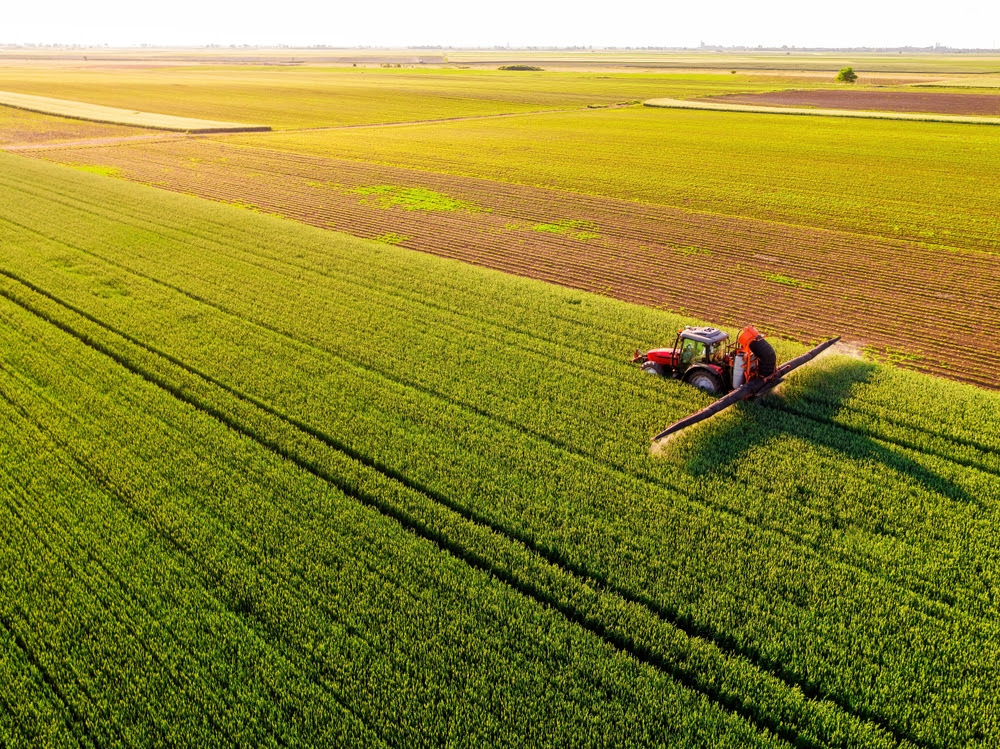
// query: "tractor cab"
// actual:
[[700, 345], [697, 357]]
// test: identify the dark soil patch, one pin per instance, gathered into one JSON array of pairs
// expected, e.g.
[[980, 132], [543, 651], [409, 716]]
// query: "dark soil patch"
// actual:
[[881, 101]]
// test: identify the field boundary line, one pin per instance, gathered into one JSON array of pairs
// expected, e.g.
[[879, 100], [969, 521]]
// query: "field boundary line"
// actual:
[[45, 525], [856, 113], [84, 734], [53, 523], [204, 574]]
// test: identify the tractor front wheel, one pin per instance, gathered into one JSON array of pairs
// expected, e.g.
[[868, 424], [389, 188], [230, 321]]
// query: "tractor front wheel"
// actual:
[[652, 368], [704, 380]]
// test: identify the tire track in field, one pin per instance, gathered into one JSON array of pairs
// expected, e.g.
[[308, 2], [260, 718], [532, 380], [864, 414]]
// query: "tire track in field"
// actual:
[[204, 574], [51, 683], [526, 587], [42, 530]]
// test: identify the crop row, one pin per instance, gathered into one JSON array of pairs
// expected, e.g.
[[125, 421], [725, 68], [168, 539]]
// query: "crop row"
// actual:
[[884, 293], [534, 446]]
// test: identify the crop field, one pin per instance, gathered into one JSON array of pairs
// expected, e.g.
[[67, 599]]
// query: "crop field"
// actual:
[[652, 206], [329, 436], [285, 98], [724, 104], [322, 459], [22, 128], [888, 179]]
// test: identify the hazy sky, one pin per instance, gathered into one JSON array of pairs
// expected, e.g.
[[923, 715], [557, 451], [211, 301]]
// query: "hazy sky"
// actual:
[[958, 23]]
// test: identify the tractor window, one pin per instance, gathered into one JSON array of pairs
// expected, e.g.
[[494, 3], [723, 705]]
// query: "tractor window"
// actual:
[[692, 351]]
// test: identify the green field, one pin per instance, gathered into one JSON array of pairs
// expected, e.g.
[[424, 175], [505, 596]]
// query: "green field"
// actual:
[[327, 97], [930, 182], [266, 484]]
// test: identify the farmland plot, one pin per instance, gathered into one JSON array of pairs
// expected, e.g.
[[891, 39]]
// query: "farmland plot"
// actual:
[[374, 430], [987, 105], [803, 283], [309, 97], [876, 178]]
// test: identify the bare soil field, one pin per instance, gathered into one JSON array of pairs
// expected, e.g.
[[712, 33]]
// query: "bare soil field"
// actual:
[[806, 283], [881, 101]]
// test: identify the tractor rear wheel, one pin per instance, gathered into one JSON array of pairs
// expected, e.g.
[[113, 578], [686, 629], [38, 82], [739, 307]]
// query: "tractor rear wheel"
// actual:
[[704, 380]]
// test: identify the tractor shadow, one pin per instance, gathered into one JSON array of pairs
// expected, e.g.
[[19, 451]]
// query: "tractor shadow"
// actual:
[[824, 390]]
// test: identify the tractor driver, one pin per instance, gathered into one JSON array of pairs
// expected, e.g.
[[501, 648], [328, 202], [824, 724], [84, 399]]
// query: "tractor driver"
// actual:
[[691, 352]]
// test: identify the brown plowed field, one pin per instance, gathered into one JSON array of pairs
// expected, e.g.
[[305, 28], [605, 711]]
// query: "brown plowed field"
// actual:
[[942, 307], [877, 101]]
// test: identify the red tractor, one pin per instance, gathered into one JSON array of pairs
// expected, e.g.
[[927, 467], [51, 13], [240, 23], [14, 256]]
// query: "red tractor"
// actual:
[[701, 357]]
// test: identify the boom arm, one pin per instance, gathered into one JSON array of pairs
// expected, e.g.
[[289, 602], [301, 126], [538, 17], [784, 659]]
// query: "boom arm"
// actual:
[[751, 389]]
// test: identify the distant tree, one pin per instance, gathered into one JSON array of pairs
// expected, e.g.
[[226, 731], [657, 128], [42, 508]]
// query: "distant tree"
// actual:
[[847, 75]]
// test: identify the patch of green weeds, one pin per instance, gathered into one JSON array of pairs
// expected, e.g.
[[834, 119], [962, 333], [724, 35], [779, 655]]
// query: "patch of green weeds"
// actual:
[[391, 238], [582, 230], [413, 199], [692, 250], [104, 171], [789, 281]]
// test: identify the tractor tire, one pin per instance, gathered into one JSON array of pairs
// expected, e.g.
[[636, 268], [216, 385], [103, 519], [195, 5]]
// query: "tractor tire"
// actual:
[[704, 380], [652, 368]]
